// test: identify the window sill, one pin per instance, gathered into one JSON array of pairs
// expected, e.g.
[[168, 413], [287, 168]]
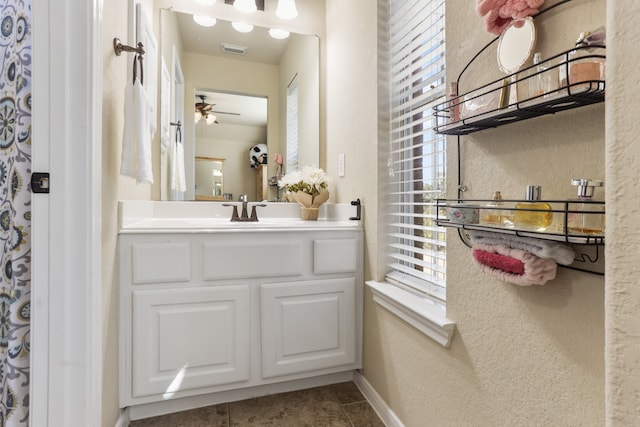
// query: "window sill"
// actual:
[[427, 318]]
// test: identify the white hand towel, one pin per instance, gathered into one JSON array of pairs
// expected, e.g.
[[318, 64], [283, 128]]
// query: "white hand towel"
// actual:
[[127, 166], [136, 138], [143, 135], [176, 167]]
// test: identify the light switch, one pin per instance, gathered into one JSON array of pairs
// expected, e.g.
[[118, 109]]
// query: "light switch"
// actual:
[[341, 164]]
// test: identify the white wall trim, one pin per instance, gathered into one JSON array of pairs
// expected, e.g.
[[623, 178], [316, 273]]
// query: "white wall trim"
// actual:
[[123, 419], [388, 417], [427, 318], [66, 375]]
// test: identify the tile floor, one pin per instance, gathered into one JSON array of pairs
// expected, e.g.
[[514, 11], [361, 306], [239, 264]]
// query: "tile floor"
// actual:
[[337, 405]]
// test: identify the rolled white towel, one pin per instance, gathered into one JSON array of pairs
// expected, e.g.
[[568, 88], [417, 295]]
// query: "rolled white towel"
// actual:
[[559, 252], [536, 271]]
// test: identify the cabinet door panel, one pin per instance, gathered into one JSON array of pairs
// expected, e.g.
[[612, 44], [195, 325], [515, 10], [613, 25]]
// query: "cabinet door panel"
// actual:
[[307, 325], [189, 338]]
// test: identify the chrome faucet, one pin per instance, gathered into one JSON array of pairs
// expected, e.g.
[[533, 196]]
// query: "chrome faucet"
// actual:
[[244, 216]]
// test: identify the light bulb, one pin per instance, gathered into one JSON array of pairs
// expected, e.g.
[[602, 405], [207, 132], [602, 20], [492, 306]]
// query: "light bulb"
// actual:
[[279, 34], [206, 2], [245, 6], [210, 119], [242, 27], [205, 21], [198, 116], [286, 9]]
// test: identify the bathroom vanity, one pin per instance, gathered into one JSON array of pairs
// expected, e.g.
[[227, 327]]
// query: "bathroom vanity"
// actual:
[[214, 311]]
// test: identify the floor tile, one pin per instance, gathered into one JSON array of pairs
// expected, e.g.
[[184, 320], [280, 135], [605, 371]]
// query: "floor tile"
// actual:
[[346, 393], [314, 407], [210, 416], [362, 415]]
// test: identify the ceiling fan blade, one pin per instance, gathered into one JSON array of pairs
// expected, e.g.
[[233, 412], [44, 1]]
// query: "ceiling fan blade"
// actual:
[[226, 112]]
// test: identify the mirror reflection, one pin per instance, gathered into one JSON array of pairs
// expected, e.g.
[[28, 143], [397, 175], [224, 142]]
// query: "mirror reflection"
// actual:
[[244, 82], [209, 179]]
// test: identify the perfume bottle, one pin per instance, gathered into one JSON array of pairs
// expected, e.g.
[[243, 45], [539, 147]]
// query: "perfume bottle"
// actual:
[[540, 80], [492, 212], [533, 214], [585, 217]]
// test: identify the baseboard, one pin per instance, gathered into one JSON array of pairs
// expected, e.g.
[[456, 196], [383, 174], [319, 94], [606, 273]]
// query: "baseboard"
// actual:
[[123, 419], [388, 417]]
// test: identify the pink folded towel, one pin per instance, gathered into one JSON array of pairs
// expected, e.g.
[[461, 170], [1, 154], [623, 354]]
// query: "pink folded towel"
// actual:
[[514, 265]]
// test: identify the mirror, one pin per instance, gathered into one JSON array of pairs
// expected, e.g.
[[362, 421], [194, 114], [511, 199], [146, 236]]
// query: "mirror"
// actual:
[[516, 44], [234, 70], [209, 179]]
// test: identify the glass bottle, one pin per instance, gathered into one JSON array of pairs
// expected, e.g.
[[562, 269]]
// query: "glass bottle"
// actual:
[[585, 217], [491, 213], [453, 104], [540, 80], [582, 66], [533, 214]]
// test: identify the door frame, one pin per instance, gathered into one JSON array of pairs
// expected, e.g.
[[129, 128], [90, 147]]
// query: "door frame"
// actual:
[[66, 321]]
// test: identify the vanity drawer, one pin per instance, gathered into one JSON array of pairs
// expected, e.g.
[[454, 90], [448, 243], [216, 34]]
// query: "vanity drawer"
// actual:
[[161, 262], [245, 260], [335, 256]]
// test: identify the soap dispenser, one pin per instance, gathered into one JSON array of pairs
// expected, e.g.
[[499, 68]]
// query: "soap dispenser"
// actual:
[[585, 217], [533, 214]]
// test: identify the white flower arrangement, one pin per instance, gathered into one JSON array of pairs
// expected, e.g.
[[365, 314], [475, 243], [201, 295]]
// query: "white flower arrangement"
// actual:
[[309, 180], [308, 187]]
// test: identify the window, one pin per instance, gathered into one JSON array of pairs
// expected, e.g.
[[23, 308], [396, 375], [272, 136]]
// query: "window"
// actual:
[[417, 157], [292, 126]]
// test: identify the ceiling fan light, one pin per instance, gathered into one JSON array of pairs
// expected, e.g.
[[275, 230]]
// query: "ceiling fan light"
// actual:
[[198, 116], [242, 27], [205, 21], [279, 34], [206, 2], [286, 9], [245, 6], [210, 119]]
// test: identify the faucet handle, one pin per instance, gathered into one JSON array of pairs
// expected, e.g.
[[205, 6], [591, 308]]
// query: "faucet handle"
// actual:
[[254, 214], [234, 214]]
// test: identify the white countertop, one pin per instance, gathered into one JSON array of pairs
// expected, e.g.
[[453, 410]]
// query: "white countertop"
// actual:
[[198, 217]]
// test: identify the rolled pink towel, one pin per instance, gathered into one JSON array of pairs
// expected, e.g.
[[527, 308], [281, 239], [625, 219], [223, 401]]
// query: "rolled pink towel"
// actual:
[[504, 262]]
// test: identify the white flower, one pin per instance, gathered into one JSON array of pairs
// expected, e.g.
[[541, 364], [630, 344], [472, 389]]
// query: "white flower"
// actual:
[[310, 180]]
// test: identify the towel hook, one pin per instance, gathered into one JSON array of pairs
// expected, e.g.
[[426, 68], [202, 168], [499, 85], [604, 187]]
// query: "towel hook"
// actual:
[[118, 47]]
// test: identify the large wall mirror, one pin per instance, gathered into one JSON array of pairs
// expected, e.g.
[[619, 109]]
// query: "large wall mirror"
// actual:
[[244, 80]]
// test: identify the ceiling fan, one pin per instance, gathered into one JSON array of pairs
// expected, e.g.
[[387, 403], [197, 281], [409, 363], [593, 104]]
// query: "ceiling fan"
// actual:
[[206, 111]]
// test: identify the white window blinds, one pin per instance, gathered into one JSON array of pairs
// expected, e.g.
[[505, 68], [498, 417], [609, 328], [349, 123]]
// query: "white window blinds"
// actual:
[[417, 160], [292, 127]]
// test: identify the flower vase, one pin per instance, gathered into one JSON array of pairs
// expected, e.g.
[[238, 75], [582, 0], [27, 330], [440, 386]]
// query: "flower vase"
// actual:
[[309, 214]]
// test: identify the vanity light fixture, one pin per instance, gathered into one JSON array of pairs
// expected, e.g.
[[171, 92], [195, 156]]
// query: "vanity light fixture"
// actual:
[[286, 9], [245, 6], [205, 21], [242, 27], [279, 34], [206, 2]]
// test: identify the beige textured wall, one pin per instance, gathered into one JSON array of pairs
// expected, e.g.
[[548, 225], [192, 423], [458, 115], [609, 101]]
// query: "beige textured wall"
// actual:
[[623, 234], [519, 356]]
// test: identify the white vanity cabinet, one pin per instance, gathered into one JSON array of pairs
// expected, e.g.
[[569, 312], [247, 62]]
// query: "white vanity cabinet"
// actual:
[[220, 315]]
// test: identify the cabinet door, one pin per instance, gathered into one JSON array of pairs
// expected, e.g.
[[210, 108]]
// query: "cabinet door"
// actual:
[[185, 339], [308, 326]]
